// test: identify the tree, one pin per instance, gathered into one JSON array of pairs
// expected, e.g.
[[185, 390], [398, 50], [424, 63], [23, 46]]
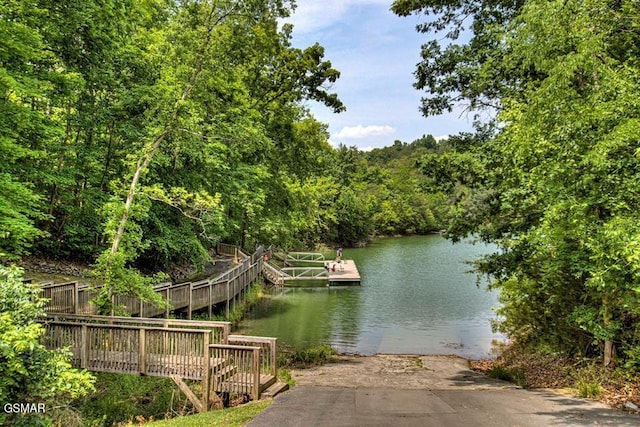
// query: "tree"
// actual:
[[558, 191], [454, 73], [31, 373], [22, 123]]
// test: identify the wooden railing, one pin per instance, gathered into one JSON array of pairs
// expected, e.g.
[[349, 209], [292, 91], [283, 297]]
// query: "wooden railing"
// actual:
[[304, 273], [246, 365], [74, 298], [219, 330], [132, 349], [242, 373], [267, 345], [227, 249], [272, 274]]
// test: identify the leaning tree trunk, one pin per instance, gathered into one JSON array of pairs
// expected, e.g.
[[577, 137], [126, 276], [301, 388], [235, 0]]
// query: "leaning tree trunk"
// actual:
[[152, 148]]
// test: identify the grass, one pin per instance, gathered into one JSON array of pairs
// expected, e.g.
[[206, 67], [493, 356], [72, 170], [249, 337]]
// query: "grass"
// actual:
[[230, 417], [308, 357], [516, 376], [589, 389]]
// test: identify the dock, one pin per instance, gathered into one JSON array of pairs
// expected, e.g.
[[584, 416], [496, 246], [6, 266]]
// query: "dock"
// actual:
[[346, 272], [310, 266]]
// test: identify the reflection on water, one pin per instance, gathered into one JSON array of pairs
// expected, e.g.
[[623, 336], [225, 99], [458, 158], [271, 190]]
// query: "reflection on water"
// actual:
[[417, 297]]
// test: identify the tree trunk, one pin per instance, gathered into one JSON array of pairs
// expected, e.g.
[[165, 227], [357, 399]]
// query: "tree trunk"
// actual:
[[609, 354], [609, 346]]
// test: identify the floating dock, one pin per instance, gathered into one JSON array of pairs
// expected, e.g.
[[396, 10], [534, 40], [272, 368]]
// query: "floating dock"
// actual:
[[347, 271], [333, 272]]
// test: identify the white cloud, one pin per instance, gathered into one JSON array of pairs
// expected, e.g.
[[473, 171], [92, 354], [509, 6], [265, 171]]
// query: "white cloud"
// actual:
[[359, 131], [441, 137], [311, 15]]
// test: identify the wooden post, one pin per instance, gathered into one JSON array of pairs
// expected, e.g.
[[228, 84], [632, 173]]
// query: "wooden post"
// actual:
[[274, 360], [256, 373], [75, 298], [84, 351], [227, 309], [210, 299], [206, 362], [168, 291], [142, 351], [189, 307]]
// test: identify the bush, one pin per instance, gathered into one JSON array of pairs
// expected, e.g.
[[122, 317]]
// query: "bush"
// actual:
[[30, 372], [123, 397]]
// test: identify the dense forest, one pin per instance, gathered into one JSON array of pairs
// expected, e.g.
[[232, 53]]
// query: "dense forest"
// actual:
[[158, 128], [136, 134]]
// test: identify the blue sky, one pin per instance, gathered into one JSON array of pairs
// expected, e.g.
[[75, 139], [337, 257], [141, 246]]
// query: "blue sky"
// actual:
[[376, 53]]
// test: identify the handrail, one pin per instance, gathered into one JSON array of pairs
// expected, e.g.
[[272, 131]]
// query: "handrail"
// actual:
[[305, 272], [273, 274], [305, 256], [154, 351], [268, 349], [244, 374], [219, 330], [73, 297]]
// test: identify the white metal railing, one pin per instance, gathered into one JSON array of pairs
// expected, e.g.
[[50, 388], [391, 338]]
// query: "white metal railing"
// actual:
[[305, 257], [300, 273]]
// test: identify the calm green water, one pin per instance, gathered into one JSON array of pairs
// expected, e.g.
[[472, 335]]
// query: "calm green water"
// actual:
[[416, 297]]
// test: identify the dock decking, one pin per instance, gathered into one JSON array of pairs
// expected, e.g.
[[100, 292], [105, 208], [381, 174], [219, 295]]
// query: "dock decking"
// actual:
[[347, 271]]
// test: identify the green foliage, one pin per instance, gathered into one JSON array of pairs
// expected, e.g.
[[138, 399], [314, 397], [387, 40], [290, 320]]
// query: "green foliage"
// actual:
[[473, 72], [515, 376], [228, 417], [285, 376], [120, 280], [588, 389], [31, 373], [307, 357], [558, 189], [121, 397]]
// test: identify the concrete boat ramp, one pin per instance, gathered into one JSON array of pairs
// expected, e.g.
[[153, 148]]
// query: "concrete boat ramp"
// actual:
[[398, 390]]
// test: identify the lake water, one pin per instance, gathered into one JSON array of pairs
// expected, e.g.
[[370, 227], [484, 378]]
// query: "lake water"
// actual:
[[417, 296]]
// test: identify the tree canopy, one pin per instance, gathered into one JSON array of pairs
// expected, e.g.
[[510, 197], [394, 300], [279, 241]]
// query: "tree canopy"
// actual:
[[138, 134], [558, 192]]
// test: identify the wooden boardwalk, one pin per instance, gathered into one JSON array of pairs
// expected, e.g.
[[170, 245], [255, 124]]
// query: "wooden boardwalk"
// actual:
[[200, 351], [227, 288], [181, 349]]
